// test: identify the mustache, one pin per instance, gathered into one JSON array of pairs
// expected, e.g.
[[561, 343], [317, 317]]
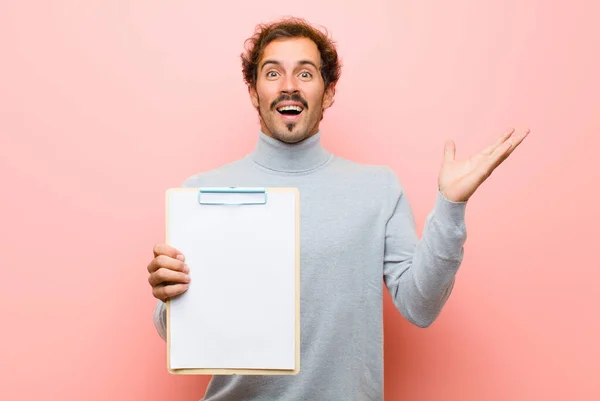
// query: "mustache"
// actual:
[[294, 98]]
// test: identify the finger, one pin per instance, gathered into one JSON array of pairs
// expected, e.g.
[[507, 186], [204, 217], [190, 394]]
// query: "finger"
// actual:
[[501, 139], [502, 152], [167, 276], [515, 141], [163, 261], [449, 151], [169, 291], [165, 249]]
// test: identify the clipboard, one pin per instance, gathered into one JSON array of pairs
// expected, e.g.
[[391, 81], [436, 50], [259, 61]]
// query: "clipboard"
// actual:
[[241, 312]]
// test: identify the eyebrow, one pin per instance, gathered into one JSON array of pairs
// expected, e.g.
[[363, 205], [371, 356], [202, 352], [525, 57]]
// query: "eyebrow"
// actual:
[[301, 62]]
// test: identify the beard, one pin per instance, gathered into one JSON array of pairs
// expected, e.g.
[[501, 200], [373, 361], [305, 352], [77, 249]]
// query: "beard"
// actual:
[[288, 132]]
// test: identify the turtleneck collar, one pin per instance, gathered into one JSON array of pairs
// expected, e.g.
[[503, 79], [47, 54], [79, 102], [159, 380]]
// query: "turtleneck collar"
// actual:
[[300, 157]]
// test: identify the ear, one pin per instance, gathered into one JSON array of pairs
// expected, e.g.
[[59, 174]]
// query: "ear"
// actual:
[[328, 97], [253, 96]]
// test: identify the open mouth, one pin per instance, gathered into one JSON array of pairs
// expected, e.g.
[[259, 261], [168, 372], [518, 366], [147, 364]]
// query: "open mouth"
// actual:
[[290, 110]]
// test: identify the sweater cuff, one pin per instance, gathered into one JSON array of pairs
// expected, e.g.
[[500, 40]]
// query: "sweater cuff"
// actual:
[[450, 213], [160, 319]]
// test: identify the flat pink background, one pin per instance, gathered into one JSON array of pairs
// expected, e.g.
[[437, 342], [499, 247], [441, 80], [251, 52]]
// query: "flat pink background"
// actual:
[[105, 104]]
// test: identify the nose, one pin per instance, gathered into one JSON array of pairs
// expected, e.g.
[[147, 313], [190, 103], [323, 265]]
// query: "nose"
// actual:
[[289, 85]]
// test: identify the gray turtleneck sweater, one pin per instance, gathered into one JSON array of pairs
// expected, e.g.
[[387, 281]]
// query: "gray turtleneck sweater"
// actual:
[[357, 235]]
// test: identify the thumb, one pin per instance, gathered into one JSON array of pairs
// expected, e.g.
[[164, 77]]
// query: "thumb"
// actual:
[[449, 151]]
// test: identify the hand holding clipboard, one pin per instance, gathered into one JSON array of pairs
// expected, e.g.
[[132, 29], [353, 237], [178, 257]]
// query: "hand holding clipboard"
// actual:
[[168, 272]]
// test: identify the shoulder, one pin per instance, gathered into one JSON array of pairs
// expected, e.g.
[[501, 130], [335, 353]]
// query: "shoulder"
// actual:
[[376, 185], [216, 176], [374, 176]]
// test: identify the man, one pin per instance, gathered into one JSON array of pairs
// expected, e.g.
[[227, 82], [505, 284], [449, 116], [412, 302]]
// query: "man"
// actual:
[[357, 226]]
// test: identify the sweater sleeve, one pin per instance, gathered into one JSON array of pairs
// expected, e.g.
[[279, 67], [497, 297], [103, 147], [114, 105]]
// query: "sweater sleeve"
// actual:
[[160, 319], [420, 273]]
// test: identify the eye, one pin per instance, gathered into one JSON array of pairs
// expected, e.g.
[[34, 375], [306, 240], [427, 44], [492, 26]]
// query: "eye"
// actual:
[[305, 75], [271, 74]]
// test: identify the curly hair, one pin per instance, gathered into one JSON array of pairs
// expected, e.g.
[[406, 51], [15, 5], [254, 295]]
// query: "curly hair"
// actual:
[[290, 28]]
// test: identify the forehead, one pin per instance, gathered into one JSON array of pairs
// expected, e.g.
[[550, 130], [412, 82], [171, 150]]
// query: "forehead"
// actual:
[[292, 50]]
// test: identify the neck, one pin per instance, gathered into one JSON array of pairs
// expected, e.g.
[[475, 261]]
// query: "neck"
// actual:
[[298, 157]]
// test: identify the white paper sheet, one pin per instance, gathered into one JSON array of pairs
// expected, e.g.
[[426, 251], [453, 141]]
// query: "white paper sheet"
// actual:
[[239, 310]]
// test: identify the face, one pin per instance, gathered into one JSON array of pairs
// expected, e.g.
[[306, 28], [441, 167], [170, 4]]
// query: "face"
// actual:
[[290, 92]]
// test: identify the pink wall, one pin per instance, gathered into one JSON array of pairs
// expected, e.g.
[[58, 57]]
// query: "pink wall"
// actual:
[[105, 104]]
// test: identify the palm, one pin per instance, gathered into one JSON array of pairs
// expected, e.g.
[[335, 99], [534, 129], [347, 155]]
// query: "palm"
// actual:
[[458, 179]]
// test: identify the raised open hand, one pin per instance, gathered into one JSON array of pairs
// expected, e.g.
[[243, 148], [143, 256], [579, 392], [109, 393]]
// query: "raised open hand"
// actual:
[[459, 179]]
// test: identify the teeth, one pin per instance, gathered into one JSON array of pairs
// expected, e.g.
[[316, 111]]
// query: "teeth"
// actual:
[[296, 108]]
